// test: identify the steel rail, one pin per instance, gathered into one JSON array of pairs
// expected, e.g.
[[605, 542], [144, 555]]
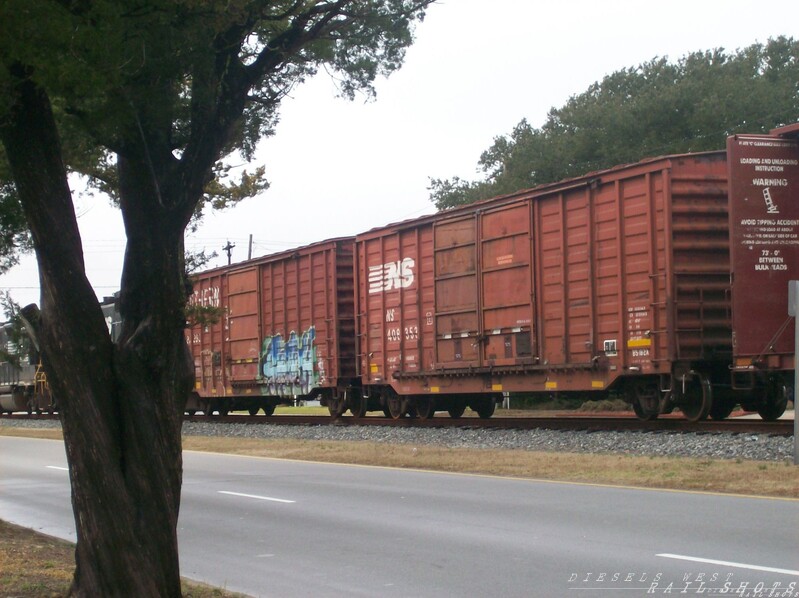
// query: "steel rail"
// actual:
[[552, 422]]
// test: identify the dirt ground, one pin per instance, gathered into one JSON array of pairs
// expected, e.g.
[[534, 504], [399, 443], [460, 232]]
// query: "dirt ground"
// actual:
[[36, 566]]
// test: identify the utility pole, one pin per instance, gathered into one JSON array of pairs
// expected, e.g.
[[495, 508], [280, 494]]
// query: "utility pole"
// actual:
[[228, 249]]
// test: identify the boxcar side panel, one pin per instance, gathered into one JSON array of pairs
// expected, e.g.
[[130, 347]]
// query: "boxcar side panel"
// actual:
[[206, 341], [764, 221], [598, 250], [283, 319], [306, 305], [641, 196], [395, 303]]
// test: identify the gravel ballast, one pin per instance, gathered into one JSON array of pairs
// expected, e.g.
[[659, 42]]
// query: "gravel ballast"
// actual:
[[756, 447]]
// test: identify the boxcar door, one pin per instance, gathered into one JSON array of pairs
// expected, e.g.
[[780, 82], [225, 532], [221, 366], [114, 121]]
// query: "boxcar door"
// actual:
[[506, 285], [457, 324], [243, 332], [206, 341]]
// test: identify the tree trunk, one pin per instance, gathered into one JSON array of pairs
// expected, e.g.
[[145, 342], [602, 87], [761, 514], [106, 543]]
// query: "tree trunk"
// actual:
[[121, 405]]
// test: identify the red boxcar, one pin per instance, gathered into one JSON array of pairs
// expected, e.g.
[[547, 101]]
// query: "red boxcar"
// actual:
[[764, 230], [286, 331], [618, 280]]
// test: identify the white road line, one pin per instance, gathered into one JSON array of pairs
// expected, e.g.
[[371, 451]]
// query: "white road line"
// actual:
[[729, 564], [58, 468], [269, 498]]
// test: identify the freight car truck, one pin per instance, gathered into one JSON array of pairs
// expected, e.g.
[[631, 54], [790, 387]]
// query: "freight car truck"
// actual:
[[617, 281]]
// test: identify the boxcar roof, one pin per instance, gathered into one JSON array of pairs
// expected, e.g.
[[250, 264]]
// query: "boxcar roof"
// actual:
[[545, 188]]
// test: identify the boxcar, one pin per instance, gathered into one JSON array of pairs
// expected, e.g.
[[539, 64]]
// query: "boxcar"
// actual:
[[618, 281], [285, 331], [764, 232]]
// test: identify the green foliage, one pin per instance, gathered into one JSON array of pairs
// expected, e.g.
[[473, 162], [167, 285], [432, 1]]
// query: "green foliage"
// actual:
[[202, 315], [14, 235], [656, 108], [194, 262], [126, 65], [184, 84], [15, 334]]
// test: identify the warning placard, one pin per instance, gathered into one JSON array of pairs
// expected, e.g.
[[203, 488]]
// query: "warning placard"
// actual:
[[764, 235]]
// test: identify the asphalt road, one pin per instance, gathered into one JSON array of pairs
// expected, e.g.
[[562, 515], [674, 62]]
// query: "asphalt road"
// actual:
[[282, 528]]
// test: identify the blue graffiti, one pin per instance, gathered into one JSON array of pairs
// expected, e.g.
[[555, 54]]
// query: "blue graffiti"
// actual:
[[289, 368]]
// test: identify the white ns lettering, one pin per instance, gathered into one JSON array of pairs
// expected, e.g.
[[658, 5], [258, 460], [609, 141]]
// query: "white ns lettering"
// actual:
[[393, 275]]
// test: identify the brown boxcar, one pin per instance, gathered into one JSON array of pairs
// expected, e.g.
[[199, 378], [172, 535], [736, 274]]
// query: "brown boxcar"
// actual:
[[615, 281], [286, 330], [764, 230]]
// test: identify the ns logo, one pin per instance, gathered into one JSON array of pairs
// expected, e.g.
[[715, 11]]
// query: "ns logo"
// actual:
[[393, 275]]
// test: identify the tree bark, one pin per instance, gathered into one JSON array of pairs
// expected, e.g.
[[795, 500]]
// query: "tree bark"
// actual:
[[121, 406]]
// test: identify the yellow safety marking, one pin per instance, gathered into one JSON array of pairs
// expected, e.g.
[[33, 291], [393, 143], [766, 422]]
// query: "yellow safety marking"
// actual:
[[496, 387], [639, 342], [435, 389], [597, 384], [373, 368], [551, 385]]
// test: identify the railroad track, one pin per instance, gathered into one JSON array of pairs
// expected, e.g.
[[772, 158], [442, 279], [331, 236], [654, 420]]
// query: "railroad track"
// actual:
[[589, 423], [740, 426]]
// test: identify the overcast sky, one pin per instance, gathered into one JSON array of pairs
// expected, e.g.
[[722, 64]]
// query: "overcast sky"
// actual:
[[477, 68]]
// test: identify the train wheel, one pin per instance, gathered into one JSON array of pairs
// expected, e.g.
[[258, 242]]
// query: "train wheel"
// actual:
[[386, 412], [269, 409], [191, 412], [645, 400], [396, 406], [774, 399], [697, 398], [358, 405], [336, 406], [456, 411], [208, 407], [721, 408], [253, 410], [485, 408], [425, 407], [223, 411]]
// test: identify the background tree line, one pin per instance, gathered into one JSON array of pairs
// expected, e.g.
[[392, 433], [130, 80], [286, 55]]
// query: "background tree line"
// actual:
[[655, 108]]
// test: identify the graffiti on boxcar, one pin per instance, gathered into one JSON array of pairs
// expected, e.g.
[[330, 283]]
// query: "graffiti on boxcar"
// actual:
[[290, 367], [207, 297]]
